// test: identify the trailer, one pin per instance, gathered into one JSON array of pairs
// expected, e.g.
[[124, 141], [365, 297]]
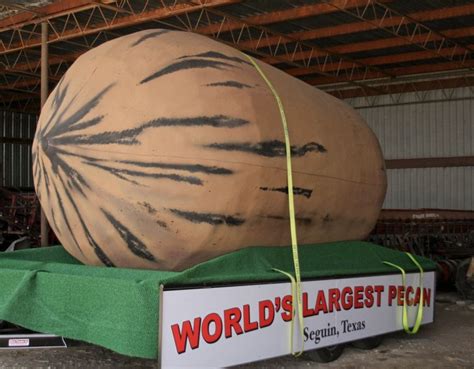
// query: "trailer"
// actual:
[[230, 310]]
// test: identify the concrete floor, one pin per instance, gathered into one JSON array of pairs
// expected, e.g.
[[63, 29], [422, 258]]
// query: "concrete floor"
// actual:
[[448, 343]]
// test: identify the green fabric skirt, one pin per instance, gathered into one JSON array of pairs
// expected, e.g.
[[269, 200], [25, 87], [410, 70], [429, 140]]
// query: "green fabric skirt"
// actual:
[[48, 291]]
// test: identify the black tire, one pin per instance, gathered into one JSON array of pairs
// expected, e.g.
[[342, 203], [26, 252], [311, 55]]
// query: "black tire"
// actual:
[[326, 354], [368, 343]]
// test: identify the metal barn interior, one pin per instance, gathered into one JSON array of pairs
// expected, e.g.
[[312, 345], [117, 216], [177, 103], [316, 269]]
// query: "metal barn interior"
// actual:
[[406, 66]]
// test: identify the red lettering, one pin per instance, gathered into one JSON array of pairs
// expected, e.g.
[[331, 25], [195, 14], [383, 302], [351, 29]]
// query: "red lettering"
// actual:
[[232, 321], [378, 290], [334, 296], [206, 332], [358, 297], [248, 325], [321, 303], [369, 296], [187, 333], [347, 300], [307, 311], [392, 294], [266, 313]]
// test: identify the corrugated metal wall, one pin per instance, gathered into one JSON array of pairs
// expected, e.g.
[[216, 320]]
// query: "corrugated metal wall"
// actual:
[[15, 158], [441, 127]]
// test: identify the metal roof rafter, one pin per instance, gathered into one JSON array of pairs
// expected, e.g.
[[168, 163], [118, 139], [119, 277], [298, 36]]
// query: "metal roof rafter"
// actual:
[[420, 88], [237, 37], [349, 28], [74, 27], [403, 26]]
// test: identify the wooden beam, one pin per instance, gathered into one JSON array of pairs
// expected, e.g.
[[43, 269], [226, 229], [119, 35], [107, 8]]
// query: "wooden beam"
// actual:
[[444, 162]]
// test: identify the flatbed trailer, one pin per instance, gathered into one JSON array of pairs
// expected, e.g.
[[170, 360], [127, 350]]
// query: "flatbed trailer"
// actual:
[[231, 310]]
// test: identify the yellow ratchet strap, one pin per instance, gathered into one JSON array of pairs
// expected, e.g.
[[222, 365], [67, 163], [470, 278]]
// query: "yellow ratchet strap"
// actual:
[[295, 285], [419, 315]]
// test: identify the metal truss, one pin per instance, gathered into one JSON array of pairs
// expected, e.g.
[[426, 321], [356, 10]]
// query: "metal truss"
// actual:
[[254, 40], [403, 26], [79, 25], [414, 92], [86, 18], [348, 28], [89, 24], [20, 76], [84, 25]]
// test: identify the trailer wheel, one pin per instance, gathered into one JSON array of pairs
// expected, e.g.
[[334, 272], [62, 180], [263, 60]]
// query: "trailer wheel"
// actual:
[[326, 354], [368, 343]]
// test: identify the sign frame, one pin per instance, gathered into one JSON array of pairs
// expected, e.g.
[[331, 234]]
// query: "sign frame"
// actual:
[[412, 282]]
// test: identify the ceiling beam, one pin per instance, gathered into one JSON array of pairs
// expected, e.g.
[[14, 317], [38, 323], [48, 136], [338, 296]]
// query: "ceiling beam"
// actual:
[[350, 28], [370, 45], [384, 59], [182, 9], [74, 27], [331, 65], [297, 12], [34, 66], [400, 71], [16, 95], [29, 84], [18, 7], [386, 43], [431, 39], [399, 88], [47, 11], [395, 41], [412, 56]]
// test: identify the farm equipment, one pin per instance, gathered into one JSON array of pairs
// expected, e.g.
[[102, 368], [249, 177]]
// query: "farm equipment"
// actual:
[[445, 236], [19, 219]]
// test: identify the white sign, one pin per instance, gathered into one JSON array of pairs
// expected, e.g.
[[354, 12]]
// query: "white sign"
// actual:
[[223, 326], [18, 342]]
